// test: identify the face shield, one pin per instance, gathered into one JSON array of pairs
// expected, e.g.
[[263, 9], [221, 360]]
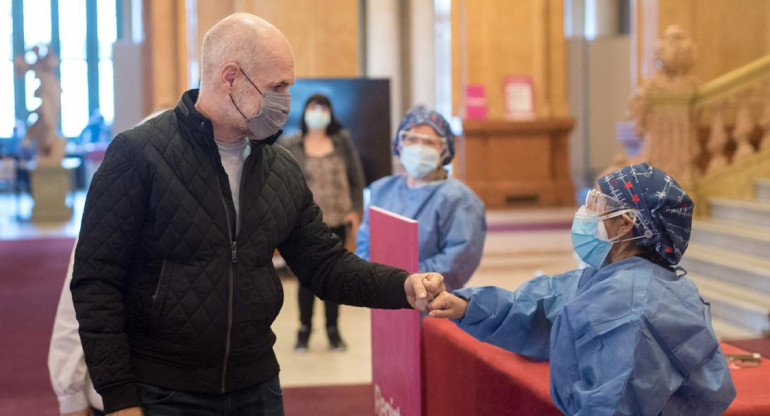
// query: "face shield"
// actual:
[[407, 138], [605, 207]]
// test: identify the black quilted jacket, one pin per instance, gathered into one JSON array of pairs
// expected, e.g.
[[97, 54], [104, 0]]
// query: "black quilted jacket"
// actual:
[[164, 290]]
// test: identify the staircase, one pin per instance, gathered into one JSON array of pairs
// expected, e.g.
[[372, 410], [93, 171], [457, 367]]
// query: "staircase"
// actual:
[[729, 260]]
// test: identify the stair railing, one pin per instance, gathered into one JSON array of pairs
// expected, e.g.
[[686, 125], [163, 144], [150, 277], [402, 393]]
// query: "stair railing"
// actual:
[[696, 130]]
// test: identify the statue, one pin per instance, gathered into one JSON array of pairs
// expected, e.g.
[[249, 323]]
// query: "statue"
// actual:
[[50, 146], [660, 107], [49, 180], [674, 58]]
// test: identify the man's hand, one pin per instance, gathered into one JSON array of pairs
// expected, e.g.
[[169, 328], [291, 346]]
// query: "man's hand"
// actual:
[[131, 411], [447, 305], [421, 288]]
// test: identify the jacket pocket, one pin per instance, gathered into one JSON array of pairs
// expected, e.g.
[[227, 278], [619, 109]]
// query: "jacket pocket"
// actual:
[[161, 291]]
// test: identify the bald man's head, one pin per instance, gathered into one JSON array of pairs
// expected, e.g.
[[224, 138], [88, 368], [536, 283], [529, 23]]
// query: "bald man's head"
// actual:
[[243, 57], [245, 39]]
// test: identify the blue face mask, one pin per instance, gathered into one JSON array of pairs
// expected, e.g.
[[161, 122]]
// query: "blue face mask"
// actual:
[[419, 160], [589, 238]]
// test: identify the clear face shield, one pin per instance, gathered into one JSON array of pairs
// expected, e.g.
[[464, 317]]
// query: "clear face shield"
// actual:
[[408, 138], [605, 207]]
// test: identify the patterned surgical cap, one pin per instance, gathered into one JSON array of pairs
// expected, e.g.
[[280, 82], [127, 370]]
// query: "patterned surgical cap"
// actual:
[[421, 115], [664, 208]]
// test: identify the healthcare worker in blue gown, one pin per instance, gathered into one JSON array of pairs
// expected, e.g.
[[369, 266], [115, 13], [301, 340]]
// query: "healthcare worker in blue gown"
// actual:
[[629, 334], [451, 218]]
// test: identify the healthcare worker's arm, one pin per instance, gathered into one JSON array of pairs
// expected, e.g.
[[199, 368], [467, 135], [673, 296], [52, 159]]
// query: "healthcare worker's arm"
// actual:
[[463, 232], [624, 370], [362, 238], [710, 386], [517, 321]]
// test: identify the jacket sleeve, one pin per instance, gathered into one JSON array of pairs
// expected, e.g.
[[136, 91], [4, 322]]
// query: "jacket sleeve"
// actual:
[[323, 265], [356, 179], [518, 321], [110, 230], [66, 363], [461, 246]]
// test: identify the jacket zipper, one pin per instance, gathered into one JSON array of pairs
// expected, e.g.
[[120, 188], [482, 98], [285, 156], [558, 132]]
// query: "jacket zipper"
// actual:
[[233, 262]]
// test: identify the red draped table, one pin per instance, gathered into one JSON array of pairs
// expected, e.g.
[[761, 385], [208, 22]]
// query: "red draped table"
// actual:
[[463, 376]]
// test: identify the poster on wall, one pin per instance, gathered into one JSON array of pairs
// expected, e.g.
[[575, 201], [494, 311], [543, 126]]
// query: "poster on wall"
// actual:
[[475, 102], [518, 92], [396, 374]]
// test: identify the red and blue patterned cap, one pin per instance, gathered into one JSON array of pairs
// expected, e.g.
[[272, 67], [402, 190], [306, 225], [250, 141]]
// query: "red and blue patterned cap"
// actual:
[[663, 207]]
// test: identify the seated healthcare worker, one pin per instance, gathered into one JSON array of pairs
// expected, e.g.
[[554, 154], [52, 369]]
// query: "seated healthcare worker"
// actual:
[[627, 335], [451, 218]]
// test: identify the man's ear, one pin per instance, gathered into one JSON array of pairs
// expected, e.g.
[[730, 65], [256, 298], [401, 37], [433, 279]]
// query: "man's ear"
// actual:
[[227, 76]]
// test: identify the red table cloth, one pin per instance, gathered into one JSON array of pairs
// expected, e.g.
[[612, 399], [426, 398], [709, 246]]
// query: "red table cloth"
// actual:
[[463, 376]]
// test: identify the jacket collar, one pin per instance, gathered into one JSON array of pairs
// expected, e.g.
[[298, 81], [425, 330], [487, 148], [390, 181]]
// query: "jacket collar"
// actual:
[[189, 115], [186, 111]]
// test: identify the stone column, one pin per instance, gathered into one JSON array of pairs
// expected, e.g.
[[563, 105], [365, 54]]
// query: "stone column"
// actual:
[[384, 52]]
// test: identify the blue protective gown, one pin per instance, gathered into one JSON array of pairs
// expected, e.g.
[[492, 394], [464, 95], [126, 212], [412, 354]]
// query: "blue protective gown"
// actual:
[[631, 338], [451, 222]]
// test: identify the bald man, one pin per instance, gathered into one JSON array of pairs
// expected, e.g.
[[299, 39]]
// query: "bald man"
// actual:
[[173, 283]]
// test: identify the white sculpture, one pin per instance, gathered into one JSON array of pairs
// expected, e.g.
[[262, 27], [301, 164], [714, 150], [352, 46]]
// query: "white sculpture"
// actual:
[[50, 146]]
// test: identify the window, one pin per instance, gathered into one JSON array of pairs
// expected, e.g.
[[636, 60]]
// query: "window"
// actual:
[[7, 98], [81, 33]]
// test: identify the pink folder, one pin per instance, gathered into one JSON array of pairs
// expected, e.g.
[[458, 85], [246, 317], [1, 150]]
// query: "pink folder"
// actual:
[[396, 374]]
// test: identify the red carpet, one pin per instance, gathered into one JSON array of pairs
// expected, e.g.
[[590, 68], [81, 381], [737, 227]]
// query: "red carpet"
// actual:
[[31, 275]]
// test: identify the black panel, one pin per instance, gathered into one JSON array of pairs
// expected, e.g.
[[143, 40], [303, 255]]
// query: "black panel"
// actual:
[[362, 106]]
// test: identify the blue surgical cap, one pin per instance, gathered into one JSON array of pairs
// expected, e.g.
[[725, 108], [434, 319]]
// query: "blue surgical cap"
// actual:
[[663, 206]]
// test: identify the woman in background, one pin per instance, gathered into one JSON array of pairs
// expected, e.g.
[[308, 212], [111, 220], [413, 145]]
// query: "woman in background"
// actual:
[[334, 174], [451, 218]]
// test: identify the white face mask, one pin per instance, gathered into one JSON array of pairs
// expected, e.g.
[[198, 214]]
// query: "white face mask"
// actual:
[[317, 119], [419, 160]]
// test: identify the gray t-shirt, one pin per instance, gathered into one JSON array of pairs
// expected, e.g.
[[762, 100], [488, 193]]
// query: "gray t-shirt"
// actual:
[[233, 155]]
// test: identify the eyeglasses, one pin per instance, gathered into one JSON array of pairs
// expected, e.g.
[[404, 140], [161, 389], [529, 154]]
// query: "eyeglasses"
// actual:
[[409, 139]]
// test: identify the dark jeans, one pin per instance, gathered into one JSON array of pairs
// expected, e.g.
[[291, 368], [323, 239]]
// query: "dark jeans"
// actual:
[[265, 399], [307, 298]]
